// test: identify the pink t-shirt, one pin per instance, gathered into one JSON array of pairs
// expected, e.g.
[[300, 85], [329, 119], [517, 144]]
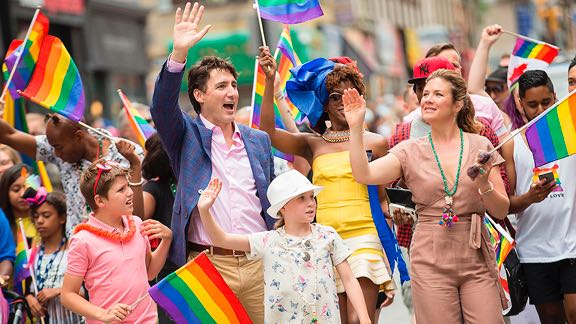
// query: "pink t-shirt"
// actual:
[[487, 109], [113, 272]]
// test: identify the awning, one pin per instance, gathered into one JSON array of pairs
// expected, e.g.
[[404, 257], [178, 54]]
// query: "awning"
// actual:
[[228, 46]]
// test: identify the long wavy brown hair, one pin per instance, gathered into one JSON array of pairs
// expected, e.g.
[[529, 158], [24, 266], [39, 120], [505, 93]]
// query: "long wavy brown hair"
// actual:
[[466, 116]]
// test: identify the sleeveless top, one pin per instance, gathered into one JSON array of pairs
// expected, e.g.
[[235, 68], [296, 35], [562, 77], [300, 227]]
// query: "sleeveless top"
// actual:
[[546, 230], [344, 203]]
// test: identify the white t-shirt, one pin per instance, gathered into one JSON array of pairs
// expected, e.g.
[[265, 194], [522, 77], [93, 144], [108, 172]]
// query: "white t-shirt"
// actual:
[[297, 271], [546, 230]]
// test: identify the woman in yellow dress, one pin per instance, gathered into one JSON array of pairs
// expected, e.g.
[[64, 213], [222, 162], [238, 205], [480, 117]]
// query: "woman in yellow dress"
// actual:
[[316, 89]]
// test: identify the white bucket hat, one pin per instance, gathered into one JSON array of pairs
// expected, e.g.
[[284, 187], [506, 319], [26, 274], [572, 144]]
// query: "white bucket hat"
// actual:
[[285, 187]]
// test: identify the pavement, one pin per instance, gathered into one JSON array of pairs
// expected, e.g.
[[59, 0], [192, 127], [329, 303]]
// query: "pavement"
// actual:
[[397, 312]]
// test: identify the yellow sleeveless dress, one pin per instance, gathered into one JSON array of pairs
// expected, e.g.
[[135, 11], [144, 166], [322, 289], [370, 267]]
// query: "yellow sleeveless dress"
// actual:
[[344, 205]]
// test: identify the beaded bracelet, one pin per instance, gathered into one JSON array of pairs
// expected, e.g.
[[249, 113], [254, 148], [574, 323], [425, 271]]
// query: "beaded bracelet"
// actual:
[[487, 191], [135, 184]]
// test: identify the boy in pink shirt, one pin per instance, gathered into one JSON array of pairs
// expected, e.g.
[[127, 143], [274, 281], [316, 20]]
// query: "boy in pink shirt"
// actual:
[[111, 252]]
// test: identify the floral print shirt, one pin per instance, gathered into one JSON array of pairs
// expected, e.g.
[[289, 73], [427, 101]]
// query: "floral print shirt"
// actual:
[[70, 174], [299, 274]]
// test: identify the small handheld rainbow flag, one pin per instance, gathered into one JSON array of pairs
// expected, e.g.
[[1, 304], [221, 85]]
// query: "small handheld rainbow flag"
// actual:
[[197, 293], [28, 54], [21, 269], [502, 241], [288, 60], [257, 94], [553, 135], [139, 125], [529, 55], [290, 11], [56, 82]]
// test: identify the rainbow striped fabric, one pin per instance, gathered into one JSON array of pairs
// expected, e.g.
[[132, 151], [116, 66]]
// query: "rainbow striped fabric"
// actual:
[[528, 55], [29, 53], [501, 240], [290, 11], [139, 125], [56, 82], [21, 271], [197, 293], [257, 94], [288, 60], [553, 136]]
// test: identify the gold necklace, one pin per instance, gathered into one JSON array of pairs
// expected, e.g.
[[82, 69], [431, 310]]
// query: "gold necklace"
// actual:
[[333, 136]]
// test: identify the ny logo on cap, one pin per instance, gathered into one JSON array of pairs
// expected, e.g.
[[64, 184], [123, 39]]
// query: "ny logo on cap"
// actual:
[[424, 69]]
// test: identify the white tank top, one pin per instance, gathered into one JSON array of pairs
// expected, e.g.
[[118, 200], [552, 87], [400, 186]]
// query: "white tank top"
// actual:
[[546, 230]]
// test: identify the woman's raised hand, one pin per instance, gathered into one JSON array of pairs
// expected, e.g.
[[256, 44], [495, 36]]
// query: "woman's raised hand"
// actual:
[[354, 108]]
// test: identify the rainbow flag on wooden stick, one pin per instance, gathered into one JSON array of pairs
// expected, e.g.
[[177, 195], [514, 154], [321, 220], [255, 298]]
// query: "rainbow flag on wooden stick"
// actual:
[[28, 54], [139, 125], [529, 55], [288, 59], [290, 11], [56, 82], [553, 136], [197, 293], [257, 94]]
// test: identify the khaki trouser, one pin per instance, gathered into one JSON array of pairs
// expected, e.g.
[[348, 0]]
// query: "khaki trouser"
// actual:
[[245, 278]]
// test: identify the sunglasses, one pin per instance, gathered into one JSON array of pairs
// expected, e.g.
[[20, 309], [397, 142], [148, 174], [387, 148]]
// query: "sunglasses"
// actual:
[[335, 97], [103, 167], [494, 89]]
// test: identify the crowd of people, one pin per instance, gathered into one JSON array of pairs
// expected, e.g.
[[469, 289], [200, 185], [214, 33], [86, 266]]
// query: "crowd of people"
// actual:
[[306, 244]]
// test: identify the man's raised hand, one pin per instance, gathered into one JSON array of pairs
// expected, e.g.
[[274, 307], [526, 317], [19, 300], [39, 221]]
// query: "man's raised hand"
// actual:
[[186, 33]]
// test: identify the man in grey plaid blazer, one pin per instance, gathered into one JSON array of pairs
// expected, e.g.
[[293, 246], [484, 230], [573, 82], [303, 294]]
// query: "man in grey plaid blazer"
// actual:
[[208, 146]]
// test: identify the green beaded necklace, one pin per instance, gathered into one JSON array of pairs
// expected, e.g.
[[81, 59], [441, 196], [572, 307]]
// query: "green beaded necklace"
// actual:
[[448, 216]]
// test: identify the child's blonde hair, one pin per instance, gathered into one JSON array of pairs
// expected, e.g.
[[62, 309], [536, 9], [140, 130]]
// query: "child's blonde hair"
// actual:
[[107, 177], [279, 222]]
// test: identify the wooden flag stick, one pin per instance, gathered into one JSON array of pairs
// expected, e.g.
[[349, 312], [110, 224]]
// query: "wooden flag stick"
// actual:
[[134, 304], [18, 57], [526, 38], [260, 23], [97, 131]]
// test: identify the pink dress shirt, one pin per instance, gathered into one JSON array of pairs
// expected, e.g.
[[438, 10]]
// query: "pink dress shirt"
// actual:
[[237, 208]]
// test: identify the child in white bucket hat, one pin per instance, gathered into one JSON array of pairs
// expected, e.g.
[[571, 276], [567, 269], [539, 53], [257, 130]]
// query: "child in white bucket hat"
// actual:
[[299, 257]]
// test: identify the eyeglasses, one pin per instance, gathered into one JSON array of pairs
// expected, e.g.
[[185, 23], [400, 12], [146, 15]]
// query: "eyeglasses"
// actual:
[[335, 97], [103, 167], [498, 88]]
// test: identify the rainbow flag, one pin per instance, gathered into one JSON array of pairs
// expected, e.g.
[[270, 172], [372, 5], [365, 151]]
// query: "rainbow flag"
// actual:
[[56, 82], [504, 243], [29, 55], [494, 235], [553, 136], [197, 293], [290, 11], [257, 94], [288, 60], [21, 271], [139, 125], [529, 55]]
